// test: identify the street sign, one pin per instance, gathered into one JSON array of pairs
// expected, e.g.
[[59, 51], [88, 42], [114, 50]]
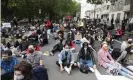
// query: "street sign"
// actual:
[[8, 25]]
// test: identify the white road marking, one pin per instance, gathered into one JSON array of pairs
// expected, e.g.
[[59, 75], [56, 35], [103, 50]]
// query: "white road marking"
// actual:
[[117, 41], [109, 77]]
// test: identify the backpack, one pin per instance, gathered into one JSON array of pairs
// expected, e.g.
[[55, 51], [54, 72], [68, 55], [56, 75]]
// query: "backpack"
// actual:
[[39, 73], [84, 68], [116, 53]]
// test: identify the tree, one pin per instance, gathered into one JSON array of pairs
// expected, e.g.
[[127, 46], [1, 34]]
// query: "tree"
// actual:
[[30, 8]]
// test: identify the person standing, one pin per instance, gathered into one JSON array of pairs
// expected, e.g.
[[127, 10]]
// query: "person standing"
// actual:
[[15, 22], [124, 44]]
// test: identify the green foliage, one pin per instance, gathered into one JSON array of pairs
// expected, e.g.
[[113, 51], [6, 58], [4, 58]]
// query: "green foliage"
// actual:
[[30, 8]]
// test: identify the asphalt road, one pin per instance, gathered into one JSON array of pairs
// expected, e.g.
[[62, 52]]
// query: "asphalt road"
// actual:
[[53, 69]]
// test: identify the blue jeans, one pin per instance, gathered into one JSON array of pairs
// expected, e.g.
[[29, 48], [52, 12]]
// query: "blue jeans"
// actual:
[[77, 41], [88, 62], [123, 71]]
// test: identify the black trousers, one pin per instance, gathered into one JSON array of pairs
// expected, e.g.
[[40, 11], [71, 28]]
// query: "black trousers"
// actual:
[[57, 47], [7, 76]]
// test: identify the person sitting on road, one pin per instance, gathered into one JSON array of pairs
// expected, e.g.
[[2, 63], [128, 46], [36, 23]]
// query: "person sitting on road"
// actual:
[[66, 59], [109, 42], [7, 64], [16, 44], [24, 44], [34, 57], [86, 56], [22, 71], [128, 61], [125, 44], [103, 55], [78, 37], [124, 53], [59, 45], [129, 57], [105, 60]]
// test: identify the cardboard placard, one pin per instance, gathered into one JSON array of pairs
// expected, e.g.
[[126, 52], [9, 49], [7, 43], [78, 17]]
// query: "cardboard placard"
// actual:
[[78, 37]]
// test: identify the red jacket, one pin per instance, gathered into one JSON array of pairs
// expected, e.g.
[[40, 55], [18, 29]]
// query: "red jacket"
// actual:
[[119, 32], [48, 24]]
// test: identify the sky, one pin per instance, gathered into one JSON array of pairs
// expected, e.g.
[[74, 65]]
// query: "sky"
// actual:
[[84, 7]]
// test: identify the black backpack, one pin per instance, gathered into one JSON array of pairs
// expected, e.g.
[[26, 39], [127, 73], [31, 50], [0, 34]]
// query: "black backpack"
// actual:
[[39, 73], [116, 53], [84, 68]]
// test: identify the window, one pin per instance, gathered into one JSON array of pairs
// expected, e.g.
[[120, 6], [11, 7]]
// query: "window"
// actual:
[[108, 7], [118, 15], [127, 2]]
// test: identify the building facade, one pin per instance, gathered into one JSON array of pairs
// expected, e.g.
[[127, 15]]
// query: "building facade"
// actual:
[[119, 10]]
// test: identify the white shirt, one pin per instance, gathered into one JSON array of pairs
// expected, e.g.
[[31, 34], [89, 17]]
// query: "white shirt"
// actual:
[[131, 21], [124, 45]]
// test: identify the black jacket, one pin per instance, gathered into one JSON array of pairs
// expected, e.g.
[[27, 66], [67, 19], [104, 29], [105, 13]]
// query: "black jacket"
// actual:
[[33, 38], [88, 56], [24, 45], [70, 36]]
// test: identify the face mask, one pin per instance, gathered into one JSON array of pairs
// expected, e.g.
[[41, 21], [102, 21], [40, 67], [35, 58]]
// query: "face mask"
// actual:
[[66, 49], [20, 77], [31, 51], [85, 48]]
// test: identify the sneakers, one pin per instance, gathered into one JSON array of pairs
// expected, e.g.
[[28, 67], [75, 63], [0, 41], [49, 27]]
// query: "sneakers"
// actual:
[[91, 69], [51, 53], [67, 70]]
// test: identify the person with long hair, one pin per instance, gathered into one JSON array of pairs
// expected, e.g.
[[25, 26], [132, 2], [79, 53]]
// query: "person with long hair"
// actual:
[[86, 56]]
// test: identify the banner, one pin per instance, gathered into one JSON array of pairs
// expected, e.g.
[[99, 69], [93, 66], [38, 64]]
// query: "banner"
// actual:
[[8, 25]]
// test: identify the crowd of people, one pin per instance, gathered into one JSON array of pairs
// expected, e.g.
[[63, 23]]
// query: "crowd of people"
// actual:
[[16, 44]]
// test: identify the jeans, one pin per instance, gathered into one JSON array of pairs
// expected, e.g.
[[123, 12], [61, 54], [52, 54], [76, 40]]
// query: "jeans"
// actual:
[[122, 56], [123, 71], [88, 62], [77, 42]]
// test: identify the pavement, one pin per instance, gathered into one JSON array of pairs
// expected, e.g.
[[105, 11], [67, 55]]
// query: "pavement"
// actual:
[[53, 69]]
